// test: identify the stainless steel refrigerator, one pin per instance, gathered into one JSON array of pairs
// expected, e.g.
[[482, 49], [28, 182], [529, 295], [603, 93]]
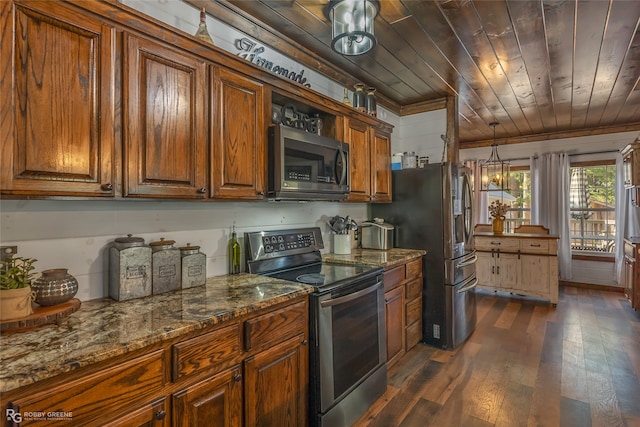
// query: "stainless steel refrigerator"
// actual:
[[432, 210]]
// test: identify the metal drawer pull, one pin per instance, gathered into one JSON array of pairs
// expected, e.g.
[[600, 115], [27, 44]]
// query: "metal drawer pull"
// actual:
[[468, 287], [469, 262], [495, 243], [535, 246]]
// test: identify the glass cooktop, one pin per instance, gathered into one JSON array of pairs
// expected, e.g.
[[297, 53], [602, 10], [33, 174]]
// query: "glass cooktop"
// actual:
[[326, 275]]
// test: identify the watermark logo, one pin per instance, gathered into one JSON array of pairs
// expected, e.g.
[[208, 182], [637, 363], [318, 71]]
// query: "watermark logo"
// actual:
[[17, 417]]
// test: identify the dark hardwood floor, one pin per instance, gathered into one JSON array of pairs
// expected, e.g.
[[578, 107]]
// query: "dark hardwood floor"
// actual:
[[526, 364]]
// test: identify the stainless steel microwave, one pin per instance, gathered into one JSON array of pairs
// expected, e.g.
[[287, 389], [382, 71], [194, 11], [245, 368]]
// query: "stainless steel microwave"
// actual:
[[306, 166]]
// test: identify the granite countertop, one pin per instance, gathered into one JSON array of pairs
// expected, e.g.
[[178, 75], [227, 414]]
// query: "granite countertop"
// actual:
[[375, 257], [104, 328]]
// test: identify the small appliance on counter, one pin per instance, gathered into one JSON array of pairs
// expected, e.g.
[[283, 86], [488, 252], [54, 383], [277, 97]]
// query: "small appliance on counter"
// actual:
[[376, 234]]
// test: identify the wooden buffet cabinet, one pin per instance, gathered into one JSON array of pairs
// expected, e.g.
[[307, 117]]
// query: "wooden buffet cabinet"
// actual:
[[111, 103], [631, 276], [403, 308], [218, 376], [525, 264]]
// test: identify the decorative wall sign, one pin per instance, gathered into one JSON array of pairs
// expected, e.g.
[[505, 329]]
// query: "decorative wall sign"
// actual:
[[291, 117], [251, 53]]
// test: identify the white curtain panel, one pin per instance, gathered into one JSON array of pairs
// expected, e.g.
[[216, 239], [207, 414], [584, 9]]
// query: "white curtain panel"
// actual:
[[480, 198], [622, 208], [550, 202]]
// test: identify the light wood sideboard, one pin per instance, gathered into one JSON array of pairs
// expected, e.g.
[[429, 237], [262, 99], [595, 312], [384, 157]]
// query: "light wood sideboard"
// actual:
[[524, 264]]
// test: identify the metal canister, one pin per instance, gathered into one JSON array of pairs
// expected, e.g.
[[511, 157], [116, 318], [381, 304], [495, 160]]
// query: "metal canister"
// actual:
[[129, 268], [194, 266], [165, 262]]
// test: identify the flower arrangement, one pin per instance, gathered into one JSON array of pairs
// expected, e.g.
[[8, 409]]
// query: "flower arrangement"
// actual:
[[497, 209]]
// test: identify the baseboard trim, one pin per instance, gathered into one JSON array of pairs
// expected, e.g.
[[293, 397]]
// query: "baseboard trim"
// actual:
[[592, 286]]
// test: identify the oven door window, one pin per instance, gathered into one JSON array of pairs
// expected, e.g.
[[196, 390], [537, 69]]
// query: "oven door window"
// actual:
[[355, 341], [352, 339]]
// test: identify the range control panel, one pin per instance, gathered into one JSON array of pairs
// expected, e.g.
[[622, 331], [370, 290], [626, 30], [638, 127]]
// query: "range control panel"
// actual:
[[282, 242], [268, 244]]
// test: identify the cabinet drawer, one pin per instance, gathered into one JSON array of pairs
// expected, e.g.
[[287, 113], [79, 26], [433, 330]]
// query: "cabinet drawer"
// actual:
[[92, 396], [205, 351], [414, 289], [393, 277], [501, 243], [538, 246], [413, 311], [414, 268], [271, 328]]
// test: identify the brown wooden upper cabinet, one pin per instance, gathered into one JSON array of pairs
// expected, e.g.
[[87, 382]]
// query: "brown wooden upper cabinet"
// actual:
[[165, 121], [370, 162], [238, 136], [58, 108]]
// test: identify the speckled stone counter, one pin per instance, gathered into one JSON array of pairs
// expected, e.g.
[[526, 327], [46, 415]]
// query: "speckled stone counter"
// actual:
[[378, 258], [104, 328]]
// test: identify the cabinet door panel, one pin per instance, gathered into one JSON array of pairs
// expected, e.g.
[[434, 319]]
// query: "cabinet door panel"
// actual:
[[214, 402], [165, 121], [507, 270], [57, 136], [534, 274], [381, 167], [238, 137], [276, 385], [485, 268], [357, 136], [395, 319]]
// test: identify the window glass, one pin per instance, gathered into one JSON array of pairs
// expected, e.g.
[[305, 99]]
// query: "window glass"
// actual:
[[592, 206], [519, 199]]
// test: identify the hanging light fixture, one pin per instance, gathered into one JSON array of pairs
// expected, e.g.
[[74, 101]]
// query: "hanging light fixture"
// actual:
[[352, 25], [494, 171]]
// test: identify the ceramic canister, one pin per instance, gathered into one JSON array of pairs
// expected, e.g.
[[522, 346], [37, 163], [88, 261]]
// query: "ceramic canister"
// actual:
[[129, 268], [165, 263], [194, 266]]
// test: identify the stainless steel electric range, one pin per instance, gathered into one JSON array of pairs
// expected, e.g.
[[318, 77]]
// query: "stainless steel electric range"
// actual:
[[347, 333]]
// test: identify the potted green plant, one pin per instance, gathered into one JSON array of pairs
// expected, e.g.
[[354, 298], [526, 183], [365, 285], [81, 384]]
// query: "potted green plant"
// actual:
[[15, 287]]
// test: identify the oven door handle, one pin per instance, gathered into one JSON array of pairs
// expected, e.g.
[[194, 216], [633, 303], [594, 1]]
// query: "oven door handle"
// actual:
[[468, 287], [350, 297]]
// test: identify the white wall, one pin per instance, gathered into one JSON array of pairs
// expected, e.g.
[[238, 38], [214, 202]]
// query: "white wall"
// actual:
[[75, 234], [421, 133]]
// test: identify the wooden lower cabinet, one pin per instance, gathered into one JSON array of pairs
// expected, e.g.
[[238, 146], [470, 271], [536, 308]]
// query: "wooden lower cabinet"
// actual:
[[519, 263], [152, 415], [213, 402], [210, 378], [631, 277], [276, 384], [394, 313], [403, 308]]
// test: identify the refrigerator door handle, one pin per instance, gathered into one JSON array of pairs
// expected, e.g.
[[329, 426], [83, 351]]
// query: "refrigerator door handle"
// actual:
[[468, 287], [470, 261]]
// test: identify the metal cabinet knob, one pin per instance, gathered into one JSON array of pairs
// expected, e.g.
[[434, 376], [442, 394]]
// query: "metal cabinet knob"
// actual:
[[260, 193], [160, 414], [202, 190], [237, 377], [106, 187], [304, 342]]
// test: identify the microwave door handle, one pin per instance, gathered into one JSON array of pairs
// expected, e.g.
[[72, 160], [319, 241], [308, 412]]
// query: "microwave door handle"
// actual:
[[341, 179]]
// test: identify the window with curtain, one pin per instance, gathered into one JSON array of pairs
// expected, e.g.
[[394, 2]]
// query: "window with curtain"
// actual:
[[592, 197], [519, 198]]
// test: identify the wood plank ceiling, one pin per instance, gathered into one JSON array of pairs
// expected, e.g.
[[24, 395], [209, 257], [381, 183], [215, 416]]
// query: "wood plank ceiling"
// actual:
[[541, 68]]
